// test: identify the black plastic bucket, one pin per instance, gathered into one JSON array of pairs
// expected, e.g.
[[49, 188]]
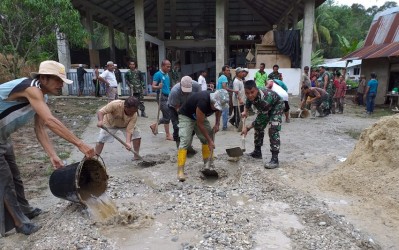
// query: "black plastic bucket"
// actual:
[[79, 181]]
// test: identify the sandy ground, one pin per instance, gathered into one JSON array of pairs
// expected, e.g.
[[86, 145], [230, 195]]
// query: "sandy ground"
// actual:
[[248, 207]]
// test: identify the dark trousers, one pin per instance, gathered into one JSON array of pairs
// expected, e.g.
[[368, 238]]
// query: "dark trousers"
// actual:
[[96, 84], [174, 117], [237, 115], [139, 96], [12, 193]]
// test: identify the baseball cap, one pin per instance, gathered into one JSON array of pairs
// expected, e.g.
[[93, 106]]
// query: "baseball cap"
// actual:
[[186, 84], [110, 62], [220, 99], [52, 68], [80, 65], [239, 69]]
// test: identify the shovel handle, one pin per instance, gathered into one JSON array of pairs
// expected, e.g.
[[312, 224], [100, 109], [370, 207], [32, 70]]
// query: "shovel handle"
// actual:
[[121, 141]]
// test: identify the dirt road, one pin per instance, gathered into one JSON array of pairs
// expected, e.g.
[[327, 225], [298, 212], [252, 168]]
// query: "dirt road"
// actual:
[[248, 207]]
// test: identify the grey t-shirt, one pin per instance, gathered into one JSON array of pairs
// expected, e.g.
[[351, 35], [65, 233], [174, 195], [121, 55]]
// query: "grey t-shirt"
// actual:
[[178, 98]]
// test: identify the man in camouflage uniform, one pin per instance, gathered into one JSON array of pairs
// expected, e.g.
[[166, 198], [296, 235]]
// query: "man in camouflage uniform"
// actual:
[[326, 83], [175, 74], [270, 109], [275, 74], [136, 84]]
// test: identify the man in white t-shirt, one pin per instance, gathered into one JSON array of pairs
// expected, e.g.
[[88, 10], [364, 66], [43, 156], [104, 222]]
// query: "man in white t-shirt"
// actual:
[[202, 80], [108, 77], [239, 97], [271, 84]]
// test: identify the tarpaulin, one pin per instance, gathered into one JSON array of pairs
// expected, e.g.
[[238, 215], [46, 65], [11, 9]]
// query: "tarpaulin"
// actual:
[[288, 43]]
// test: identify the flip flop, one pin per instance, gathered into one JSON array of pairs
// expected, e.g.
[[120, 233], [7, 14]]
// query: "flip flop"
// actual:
[[152, 127]]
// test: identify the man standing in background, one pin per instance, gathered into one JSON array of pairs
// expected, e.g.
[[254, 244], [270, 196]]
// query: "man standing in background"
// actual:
[[81, 80], [161, 82], [175, 74], [261, 76], [118, 76], [202, 80], [223, 84], [135, 81], [111, 85], [275, 74]]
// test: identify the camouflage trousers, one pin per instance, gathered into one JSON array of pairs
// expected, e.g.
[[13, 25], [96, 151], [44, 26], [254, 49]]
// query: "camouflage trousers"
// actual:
[[140, 97], [272, 118]]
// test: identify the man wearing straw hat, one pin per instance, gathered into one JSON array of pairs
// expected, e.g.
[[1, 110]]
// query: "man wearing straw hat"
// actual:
[[20, 101]]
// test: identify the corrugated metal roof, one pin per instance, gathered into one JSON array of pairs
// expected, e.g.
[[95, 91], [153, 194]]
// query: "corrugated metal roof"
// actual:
[[383, 37]]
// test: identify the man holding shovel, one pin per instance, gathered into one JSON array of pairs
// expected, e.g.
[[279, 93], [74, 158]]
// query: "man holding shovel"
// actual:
[[119, 115], [20, 101], [270, 109], [161, 82], [193, 117], [177, 98]]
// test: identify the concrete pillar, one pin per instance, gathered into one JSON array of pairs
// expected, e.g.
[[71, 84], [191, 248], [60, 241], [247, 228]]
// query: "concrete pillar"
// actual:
[[308, 32], [220, 35], [295, 17], [173, 19], [93, 53], [111, 37], [64, 56], [161, 20], [140, 41]]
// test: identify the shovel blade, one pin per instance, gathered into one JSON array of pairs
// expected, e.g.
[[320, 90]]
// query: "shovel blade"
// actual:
[[234, 152]]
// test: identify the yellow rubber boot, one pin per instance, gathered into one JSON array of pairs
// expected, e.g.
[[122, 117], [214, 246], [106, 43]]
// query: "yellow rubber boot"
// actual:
[[206, 153], [181, 161]]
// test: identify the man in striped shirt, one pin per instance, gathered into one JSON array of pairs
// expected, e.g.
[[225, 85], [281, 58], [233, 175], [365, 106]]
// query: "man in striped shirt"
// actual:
[[20, 101]]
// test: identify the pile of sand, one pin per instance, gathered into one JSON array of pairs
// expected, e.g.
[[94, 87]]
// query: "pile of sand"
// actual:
[[371, 172]]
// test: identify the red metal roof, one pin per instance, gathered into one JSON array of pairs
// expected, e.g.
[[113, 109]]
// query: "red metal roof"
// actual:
[[383, 37]]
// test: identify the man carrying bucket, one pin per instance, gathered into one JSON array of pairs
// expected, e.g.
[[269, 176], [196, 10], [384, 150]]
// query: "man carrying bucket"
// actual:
[[21, 100]]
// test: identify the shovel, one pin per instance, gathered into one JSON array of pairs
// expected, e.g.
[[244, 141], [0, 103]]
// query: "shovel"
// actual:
[[237, 151], [144, 162]]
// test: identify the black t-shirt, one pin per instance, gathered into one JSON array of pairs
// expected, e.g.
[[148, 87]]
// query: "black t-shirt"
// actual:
[[202, 100]]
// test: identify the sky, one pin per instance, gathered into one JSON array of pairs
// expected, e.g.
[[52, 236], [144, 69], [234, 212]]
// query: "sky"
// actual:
[[365, 3]]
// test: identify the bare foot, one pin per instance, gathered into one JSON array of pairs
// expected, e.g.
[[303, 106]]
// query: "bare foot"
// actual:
[[152, 127], [169, 138]]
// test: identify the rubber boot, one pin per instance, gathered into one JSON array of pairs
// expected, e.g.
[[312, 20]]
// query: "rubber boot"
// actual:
[[209, 167], [181, 161], [206, 153], [191, 151], [257, 153], [273, 163], [320, 111]]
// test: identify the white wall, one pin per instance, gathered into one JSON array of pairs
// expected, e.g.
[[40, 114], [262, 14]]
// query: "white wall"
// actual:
[[291, 77]]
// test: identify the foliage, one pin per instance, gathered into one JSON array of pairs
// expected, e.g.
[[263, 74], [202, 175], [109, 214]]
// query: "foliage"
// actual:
[[100, 39], [317, 58], [28, 27], [336, 23], [348, 47], [352, 84]]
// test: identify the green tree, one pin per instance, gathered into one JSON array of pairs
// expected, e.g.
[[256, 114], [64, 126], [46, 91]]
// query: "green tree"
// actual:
[[349, 46], [317, 58], [28, 27]]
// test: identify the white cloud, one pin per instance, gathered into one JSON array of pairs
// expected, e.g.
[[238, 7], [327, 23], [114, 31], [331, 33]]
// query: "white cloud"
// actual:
[[365, 3]]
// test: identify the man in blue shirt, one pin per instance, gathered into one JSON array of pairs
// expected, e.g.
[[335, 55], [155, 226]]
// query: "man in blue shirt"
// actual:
[[371, 92], [161, 82], [223, 84]]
